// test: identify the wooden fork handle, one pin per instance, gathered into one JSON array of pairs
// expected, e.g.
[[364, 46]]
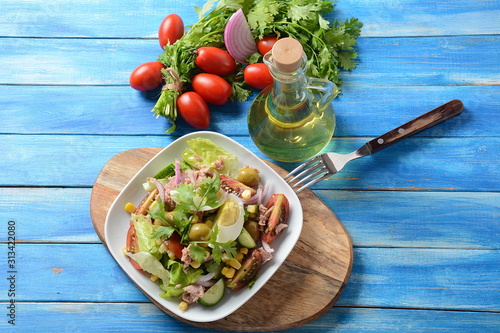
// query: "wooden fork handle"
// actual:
[[419, 124]]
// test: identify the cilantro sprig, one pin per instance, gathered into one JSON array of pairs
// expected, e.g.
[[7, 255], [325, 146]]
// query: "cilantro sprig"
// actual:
[[228, 248]]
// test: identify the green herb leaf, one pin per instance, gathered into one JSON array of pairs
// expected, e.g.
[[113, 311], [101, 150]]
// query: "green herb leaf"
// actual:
[[197, 252], [163, 233]]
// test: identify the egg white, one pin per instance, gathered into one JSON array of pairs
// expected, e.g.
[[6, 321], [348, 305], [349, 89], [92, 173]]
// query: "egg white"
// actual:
[[230, 231]]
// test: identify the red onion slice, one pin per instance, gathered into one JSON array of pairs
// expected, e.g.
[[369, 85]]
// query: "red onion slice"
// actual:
[[238, 37]]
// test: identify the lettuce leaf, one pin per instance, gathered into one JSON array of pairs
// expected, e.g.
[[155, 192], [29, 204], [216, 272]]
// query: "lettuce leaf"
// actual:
[[204, 152], [144, 233], [150, 264], [179, 279]]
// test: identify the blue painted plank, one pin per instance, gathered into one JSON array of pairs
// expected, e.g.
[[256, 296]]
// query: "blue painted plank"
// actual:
[[460, 60], [464, 220], [145, 317], [48, 214], [38, 18], [423, 18], [415, 164], [424, 278], [360, 111], [396, 277]]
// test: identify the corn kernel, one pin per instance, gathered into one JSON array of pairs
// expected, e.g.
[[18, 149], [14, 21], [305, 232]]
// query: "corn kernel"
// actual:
[[228, 272], [235, 263], [246, 194], [183, 306], [225, 258], [239, 257], [209, 223], [129, 207], [153, 277], [244, 250], [195, 264], [153, 204], [195, 219], [252, 209], [158, 222]]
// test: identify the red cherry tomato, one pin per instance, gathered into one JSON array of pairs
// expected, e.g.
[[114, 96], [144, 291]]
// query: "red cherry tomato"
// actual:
[[132, 245], [266, 44], [147, 76], [258, 75], [171, 29], [212, 88], [194, 110], [174, 245], [215, 61]]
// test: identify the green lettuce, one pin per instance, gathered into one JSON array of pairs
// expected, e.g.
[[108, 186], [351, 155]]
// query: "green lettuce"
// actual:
[[178, 279], [144, 233], [204, 152], [150, 264]]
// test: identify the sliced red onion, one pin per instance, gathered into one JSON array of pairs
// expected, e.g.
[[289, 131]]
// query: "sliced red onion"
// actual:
[[206, 284], [159, 186], [206, 277], [238, 37], [206, 280], [177, 168], [263, 194]]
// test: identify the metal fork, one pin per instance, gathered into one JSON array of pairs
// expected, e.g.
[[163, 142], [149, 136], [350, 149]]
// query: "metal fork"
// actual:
[[327, 164]]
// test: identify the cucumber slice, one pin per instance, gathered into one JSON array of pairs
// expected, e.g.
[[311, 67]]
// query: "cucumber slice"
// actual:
[[214, 294], [246, 240]]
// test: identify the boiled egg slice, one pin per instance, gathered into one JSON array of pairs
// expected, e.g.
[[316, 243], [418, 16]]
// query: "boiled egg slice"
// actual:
[[230, 219]]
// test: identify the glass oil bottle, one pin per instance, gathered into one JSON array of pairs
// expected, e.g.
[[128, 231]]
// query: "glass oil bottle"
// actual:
[[293, 119]]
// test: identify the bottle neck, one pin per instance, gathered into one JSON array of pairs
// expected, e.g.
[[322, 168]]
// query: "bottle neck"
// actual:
[[287, 102], [289, 92]]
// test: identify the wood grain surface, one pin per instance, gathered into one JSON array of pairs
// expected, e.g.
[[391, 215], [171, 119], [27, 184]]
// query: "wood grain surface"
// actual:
[[308, 283]]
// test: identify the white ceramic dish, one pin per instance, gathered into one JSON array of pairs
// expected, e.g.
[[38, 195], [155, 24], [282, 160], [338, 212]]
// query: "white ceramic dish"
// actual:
[[117, 223]]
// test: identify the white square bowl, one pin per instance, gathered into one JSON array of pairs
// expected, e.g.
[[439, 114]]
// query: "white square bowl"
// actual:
[[118, 221]]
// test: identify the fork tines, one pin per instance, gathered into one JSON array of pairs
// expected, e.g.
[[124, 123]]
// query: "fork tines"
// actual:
[[315, 171]]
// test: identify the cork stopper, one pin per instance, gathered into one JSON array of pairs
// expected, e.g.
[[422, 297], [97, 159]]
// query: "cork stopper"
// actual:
[[287, 55]]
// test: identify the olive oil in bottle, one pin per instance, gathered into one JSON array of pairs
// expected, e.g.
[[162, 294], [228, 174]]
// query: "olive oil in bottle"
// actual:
[[293, 119]]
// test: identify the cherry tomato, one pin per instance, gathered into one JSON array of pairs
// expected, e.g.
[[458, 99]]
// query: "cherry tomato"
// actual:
[[194, 110], [171, 29], [266, 44], [258, 75], [132, 245], [174, 245], [147, 76], [279, 215], [212, 88], [215, 61]]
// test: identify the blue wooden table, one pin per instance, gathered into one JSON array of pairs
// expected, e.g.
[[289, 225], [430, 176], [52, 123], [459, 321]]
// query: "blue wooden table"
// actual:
[[423, 216]]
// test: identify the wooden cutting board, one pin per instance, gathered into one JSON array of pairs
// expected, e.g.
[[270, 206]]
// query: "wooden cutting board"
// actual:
[[307, 284]]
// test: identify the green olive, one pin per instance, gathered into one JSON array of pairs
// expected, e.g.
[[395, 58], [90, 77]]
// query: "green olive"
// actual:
[[253, 229], [199, 232], [169, 216], [248, 176]]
